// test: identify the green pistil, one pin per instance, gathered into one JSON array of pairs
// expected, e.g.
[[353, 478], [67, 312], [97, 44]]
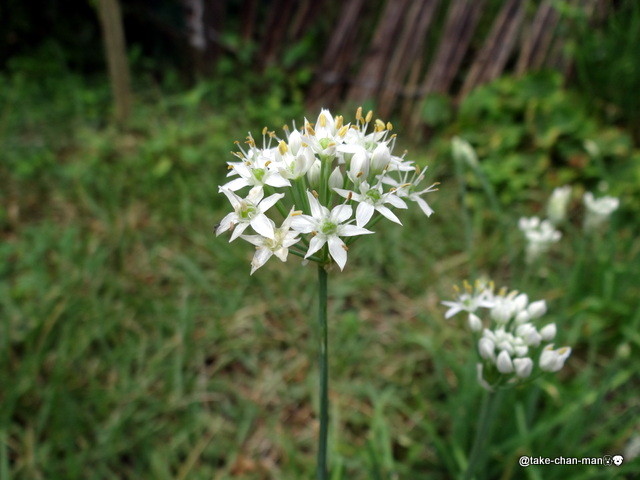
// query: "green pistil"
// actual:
[[325, 142], [374, 194], [247, 212], [258, 173], [329, 228]]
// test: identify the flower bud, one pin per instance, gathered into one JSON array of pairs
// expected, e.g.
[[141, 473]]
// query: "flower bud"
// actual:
[[295, 142], [504, 363], [529, 334], [359, 167], [548, 332], [380, 158], [335, 179], [523, 367], [475, 324], [553, 360], [522, 317], [464, 152], [537, 309], [486, 348], [313, 174]]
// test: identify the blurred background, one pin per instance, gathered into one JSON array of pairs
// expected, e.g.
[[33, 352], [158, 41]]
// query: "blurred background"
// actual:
[[134, 343]]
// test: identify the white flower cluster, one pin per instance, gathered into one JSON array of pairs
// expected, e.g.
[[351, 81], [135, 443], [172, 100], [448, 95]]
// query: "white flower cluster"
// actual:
[[540, 235], [314, 177], [508, 345], [598, 210]]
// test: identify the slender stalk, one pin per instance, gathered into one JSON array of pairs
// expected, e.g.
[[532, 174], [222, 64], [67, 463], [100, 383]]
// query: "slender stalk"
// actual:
[[324, 374], [482, 434]]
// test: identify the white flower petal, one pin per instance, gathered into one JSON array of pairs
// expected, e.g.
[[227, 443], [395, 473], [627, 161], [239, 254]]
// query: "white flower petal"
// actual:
[[337, 251], [364, 212], [263, 226], [237, 231], [225, 223], [340, 213], [270, 201], [314, 204], [352, 230], [315, 244], [303, 223], [424, 206], [260, 258], [389, 214]]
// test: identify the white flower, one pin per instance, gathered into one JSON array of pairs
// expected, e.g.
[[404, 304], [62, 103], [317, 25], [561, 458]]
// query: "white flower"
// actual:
[[470, 300], [248, 211], [558, 203], [464, 152], [486, 348], [548, 332], [411, 191], [327, 227], [256, 173], [278, 245], [539, 235], [537, 309], [553, 360], [504, 363], [523, 366], [475, 324], [598, 210], [371, 199]]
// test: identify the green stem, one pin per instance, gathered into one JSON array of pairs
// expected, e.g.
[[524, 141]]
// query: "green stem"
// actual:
[[324, 374], [482, 434]]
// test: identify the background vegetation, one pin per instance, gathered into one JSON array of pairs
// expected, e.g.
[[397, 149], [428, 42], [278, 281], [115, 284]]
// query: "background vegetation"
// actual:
[[134, 344]]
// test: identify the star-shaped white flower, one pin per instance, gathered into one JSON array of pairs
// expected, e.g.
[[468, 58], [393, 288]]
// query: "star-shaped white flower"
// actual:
[[372, 199], [409, 189], [327, 227], [259, 172], [278, 245], [249, 211]]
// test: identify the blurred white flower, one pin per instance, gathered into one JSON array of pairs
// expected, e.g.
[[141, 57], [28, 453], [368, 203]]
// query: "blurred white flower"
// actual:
[[507, 346], [553, 360], [540, 235], [598, 210], [558, 203]]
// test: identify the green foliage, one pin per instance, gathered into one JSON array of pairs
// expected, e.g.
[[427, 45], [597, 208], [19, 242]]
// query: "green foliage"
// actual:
[[607, 62], [532, 133]]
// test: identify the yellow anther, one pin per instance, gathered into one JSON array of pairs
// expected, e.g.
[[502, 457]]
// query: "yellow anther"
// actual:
[[310, 129], [359, 113], [315, 194], [417, 169], [369, 116], [267, 163], [272, 134], [456, 289], [359, 174], [346, 249], [343, 130], [229, 167], [350, 196], [467, 286], [285, 128], [265, 130], [322, 120], [296, 212], [389, 126], [339, 121], [282, 147]]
